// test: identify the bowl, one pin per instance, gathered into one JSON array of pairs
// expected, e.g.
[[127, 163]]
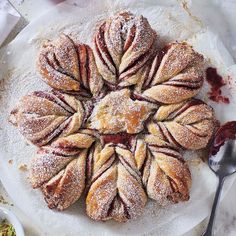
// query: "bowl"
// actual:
[[12, 219]]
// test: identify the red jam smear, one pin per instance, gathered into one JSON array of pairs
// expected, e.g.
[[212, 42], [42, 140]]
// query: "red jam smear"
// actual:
[[163, 52], [122, 138], [217, 82], [226, 132]]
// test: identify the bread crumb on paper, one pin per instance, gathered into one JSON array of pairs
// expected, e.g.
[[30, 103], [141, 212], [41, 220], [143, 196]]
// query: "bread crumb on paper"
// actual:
[[23, 167], [10, 162]]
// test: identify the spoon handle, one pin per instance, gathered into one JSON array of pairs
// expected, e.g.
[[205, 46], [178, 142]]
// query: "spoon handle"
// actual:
[[209, 229]]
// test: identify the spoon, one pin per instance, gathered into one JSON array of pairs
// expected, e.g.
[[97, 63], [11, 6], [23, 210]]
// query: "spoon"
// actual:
[[222, 164]]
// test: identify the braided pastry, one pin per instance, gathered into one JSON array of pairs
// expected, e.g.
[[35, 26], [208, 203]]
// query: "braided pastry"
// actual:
[[180, 124], [42, 116], [122, 48], [165, 174], [116, 188], [177, 76], [120, 136], [59, 170], [69, 66]]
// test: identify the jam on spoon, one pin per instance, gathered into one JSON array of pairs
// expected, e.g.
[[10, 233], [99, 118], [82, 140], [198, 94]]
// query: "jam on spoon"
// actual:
[[222, 162], [226, 132]]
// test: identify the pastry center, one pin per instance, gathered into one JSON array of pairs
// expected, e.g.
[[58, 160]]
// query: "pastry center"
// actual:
[[117, 112]]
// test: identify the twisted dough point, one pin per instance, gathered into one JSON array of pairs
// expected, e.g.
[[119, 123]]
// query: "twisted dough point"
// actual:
[[123, 46], [165, 174], [189, 124], [69, 66], [59, 170], [42, 116], [116, 189], [179, 76]]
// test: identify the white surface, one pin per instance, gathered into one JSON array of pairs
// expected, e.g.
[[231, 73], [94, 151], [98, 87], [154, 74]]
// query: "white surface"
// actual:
[[8, 19], [11, 218], [208, 202]]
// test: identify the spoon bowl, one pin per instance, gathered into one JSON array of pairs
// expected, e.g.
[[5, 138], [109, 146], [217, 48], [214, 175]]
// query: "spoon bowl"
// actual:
[[224, 162]]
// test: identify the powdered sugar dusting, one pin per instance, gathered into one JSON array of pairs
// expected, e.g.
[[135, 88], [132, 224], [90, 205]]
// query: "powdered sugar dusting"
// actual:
[[117, 112], [64, 222]]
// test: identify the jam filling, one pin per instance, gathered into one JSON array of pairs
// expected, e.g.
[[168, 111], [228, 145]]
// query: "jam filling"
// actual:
[[57, 98], [100, 42], [194, 102], [216, 82], [62, 98], [139, 97], [83, 59], [130, 38], [184, 84], [120, 138], [55, 133], [138, 62], [162, 53], [156, 64], [226, 132]]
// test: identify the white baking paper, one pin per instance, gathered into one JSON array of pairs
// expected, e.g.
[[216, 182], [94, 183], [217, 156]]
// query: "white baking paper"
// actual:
[[17, 66]]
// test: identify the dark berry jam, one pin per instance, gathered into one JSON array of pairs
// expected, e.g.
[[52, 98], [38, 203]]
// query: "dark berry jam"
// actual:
[[226, 132], [122, 138], [216, 82]]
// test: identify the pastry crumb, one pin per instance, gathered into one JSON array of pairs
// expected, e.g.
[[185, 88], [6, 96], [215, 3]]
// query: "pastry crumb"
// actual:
[[23, 167], [10, 161]]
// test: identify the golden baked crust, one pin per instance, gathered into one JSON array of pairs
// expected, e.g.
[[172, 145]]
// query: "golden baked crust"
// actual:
[[69, 66], [181, 123], [60, 170], [42, 116], [117, 113], [179, 75], [123, 46], [120, 134], [115, 189]]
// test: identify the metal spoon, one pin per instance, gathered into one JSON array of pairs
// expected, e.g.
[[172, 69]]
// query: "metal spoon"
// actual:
[[222, 164]]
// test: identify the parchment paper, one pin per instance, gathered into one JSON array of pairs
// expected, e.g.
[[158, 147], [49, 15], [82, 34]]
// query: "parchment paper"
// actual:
[[18, 74]]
